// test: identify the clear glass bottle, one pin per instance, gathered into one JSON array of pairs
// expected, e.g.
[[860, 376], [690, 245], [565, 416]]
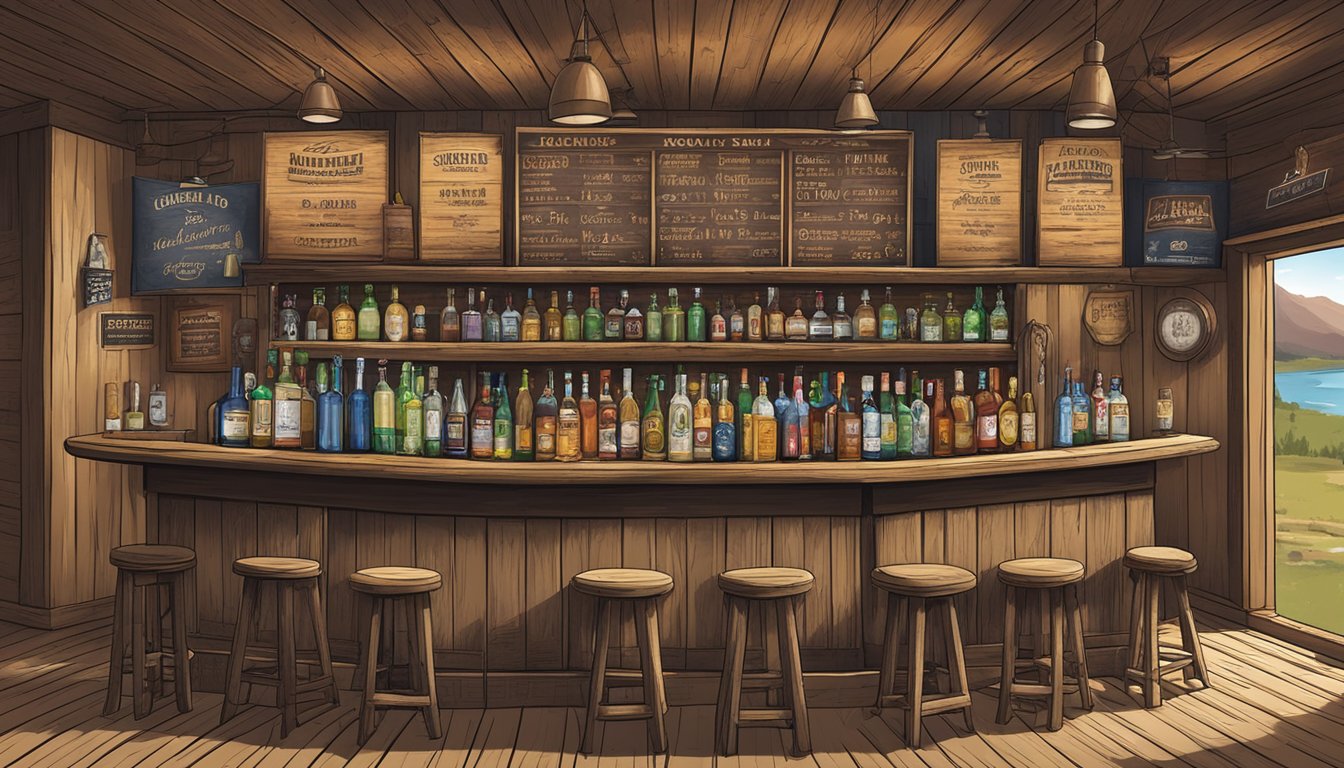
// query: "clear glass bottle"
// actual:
[[531, 324], [567, 428], [158, 407], [1064, 412], [870, 420], [1026, 413], [411, 409], [786, 422], [359, 413], [317, 324], [680, 439], [921, 446], [473, 324], [592, 316], [288, 405], [804, 416], [674, 319], [627, 412], [455, 435], [551, 319], [1100, 415], [755, 330], [888, 319], [614, 329], [396, 320], [289, 319], [653, 321], [1118, 407], [998, 319], [795, 326], [343, 324], [510, 321], [974, 320], [571, 325], [774, 316], [930, 322], [432, 401], [695, 318], [911, 329], [842, 326], [450, 327], [545, 424], [951, 321], [737, 322], [718, 324], [608, 418], [1082, 415], [491, 323], [819, 328]]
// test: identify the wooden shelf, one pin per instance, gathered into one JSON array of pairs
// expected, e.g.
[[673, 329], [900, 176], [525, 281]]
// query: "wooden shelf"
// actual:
[[281, 272], [654, 351]]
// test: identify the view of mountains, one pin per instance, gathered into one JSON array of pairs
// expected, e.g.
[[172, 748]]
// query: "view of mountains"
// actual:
[[1307, 326]]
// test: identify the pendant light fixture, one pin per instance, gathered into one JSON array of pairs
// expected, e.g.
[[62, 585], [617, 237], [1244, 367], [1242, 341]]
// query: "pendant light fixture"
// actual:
[[1092, 98], [320, 104], [579, 95], [856, 109]]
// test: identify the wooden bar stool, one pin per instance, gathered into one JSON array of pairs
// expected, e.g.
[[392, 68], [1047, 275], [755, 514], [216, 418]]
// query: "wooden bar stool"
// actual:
[[1148, 566], [1057, 581], [286, 575], [141, 570], [912, 591], [641, 588], [384, 587], [780, 586]]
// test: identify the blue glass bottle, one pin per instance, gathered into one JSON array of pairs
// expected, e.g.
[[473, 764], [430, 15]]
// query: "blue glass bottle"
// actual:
[[330, 409], [359, 413], [870, 444], [725, 425], [787, 416], [232, 414], [1064, 412]]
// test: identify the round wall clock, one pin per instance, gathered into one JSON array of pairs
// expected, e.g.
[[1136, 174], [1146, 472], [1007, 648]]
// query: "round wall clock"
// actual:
[[1184, 327]]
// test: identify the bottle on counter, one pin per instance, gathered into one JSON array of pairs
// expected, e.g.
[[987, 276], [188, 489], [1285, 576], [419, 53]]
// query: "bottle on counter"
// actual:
[[614, 327], [343, 323], [592, 316], [307, 403], [628, 417], [680, 438], [1009, 419], [510, 320], [482, 434], [842, 326], [370, 324], [608, 418], [849, 424], [450, 325], [1063, 437], [930, 322], [330, 408], [158, 407], [746, 438], [433, 407], [1100, 416], [888, 319], [419, 324], [653, 424], [674, 319], [905, 420], [653, 320], [865, 319], [552, 319], [502, 430], [289, 319], [998, 320], [568, 436], [974, 321], [492, 327], [963, 415], [764, 428], [804, 417], [524, 443], [633, 328], [396, 320], [1082, 415], [317, 325], [384, 413], [870, 445], [921, 434], [725, 423], [546, 412], [260, 406], [531, 327], [359, 413], [1026, 411], [755, 330], [587, 419], [234, 417], [819, 328], [888, 429], [1118, 409], [952, 331], [571, 325], [455, 431], [473, 325]]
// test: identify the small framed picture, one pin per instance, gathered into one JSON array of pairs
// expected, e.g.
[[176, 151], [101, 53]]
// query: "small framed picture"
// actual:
[[200, 338]]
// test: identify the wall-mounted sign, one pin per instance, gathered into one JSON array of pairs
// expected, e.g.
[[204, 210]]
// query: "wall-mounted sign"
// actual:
[[201, 334], [462, 198], [1109, 316], [1175, 223], [324, 194], [95, 275], [126, 330], [183, 233], [980, 202], [1297, 183], [1080, 203], [1185, 326]]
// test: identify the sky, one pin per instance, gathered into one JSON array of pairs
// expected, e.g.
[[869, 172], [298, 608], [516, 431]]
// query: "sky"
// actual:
[[1313, 274]]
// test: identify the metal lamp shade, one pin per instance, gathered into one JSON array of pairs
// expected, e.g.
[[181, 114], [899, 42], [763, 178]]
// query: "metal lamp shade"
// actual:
[[1092, 98], [320, 104], [579, 96], [856, 109]]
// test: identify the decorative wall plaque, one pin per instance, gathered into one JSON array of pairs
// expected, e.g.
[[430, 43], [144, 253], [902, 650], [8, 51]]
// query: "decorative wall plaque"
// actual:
[[201, 334], [1175, 223], [95, 275], [324, 194], [126, 330], [462, 198], [1080, 203], [1297, 183], [1109, 316], [1185, 326], [979, 202]]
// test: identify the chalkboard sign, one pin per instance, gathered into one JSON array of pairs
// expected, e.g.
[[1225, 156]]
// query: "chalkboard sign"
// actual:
[[720, 208], [1175, 223], [182, 234]]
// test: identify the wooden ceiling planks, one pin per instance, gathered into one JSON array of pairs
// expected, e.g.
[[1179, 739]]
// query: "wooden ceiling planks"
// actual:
[[674, 47], [993, 48], [754, 25], [491, 31], [627, 30], [712, 21], [800, 33], [901, 23], [942, 42]]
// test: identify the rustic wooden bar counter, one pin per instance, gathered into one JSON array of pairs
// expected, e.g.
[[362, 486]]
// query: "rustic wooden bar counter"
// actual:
[[508, 536]]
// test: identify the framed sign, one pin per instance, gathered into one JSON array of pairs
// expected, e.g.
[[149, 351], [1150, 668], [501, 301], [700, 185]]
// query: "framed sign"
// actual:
[[462, 198], [980, 202], [1185, 326], [324, 193], [183, 233], [1080, 203], [126, 330], [1109, 316], [1175, 223], [201, 334]]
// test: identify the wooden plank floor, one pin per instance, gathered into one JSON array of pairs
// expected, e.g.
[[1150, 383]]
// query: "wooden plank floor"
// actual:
[[1273, 705]]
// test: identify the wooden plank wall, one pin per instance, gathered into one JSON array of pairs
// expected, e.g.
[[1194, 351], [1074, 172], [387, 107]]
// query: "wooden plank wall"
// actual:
[[11, 353], [1254, 169]]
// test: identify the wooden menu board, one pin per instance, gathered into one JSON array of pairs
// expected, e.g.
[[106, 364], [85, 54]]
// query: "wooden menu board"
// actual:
[[200, 333], [461, 198], [849, 201], [1080, 203], [980, 202], [324, 193], [719, 208]]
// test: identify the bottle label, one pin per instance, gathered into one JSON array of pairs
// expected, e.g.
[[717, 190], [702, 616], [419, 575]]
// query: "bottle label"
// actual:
[[567, 436], [394, 326], [606, 440], [963, 434], [867, 327], [629, 433], [1120, 420], [754, 328], [503, 437], [998, 332], [654, 440], [767, 437], [310, 330], [433, 424], [546, 435], [1029, 428], [887, 429], [508, 328], [970, 332], [679, 430], [1008, 427], [412, 441], [287, 413], [1080, 419], [775, 326], [792, 440], [614, 326], [988, 428], [261, 418], [235, 425], [289, 325], [455, 431], [1101, 418], [343, 328], [702, 436], [158, 410], [889, 327], [851, 437], [931, 332], [872, 432], [943, 434], [482, 436]]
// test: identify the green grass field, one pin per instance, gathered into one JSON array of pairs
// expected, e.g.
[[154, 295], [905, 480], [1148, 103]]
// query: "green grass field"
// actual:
[[1307, 364], [1309, 521]]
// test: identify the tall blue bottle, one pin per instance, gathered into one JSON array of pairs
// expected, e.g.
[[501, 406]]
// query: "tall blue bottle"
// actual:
[[330, 409], [232, 414], [359, 413], [787, 417], [724, 447], [1064, 412]]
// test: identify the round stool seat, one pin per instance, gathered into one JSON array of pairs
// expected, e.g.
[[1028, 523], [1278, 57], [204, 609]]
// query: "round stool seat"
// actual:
[[277, 567], [153, 558], [623, 583], [395, 580], [1040, 572], [923, 579], [1161, 560], [766, 583]]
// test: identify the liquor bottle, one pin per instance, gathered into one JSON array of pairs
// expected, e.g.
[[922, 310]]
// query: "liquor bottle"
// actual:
[[911, 330], [307, 404], [774, 316], [134, 418], [552, 318], [764, 428], [343, 325], [524, 443], [963, 417], [289, 319], [786, 422], [450, 326], [725, 423], [628, 415], [384, 413], [433, 406], [755, 330], [930, 322], [396, 321], [702, 421], [234, 418], [317, 325], [472, 325], [870, 435], [502, 433], [904, 420], [158, 407], [1164, 412], [941, 421], [492, 326], [653, 320], [608, 419], [587, 420], [695, 318], [634, 322], [1026, 414], [370, 325], [482, 441], [1118, 408], [1064, 412], [359, 413], [405, 392], [419, 327], [974, 321], [412, 442], [986, 403], [674, 319], [865, 319], [998, 319], [824, 410], [746, 438], [531, 327], [795, 326], [568, 431], [848, 424], [1010, 421], [653, 426], [455, 435], [510, 321], [592, 316], [842, 326], [888, 433], [1082, 415], [737, 322], [921, 443], [571, 326], [546, 425], [952, 331], [1101, 417], [888, 320], [819, 328], [287, 406], [718, 325], [802, 418], [680, 440], [614, 330]]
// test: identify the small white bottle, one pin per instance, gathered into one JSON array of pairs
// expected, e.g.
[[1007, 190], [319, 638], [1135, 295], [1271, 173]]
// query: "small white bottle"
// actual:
[[158, 407]]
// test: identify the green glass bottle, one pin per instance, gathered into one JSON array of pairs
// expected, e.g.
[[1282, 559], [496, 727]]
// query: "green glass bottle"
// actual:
[[975, 321], [570, 325], [410, 435], [886, 408], [384, 413], [746, 436], [951, 321], [695, 318], [888, 319], [674, 318], [503, 434], [653, 424], [653, 320], [370, 325], [592, 316]]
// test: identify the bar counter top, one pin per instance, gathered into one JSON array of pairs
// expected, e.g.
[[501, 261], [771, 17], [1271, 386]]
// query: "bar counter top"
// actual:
[[200, 456]]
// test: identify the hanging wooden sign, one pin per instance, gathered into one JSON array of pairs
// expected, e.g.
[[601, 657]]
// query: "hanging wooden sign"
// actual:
[[1080, 203], [324, 194], [462, 198], [1109, 316], [980, 202]]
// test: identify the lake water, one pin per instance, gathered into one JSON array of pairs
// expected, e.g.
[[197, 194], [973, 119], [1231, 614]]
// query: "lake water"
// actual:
[[1318, 390]]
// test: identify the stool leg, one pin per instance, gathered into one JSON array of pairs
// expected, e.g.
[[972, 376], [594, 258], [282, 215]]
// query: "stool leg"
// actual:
[[1040, 643], [1190, 635], [234, 678], [425, 630], [1152, 680], [1056, 596], [177, 589], [651, 664], [286, 695], [598, 676], [791, 670], [914, 681], [1135, 623], [1079, 646], [1009, 657], [956, 659], [140, 686], [730, 684], [366, 708], [319, 619], [121, 610], [891, 646]]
